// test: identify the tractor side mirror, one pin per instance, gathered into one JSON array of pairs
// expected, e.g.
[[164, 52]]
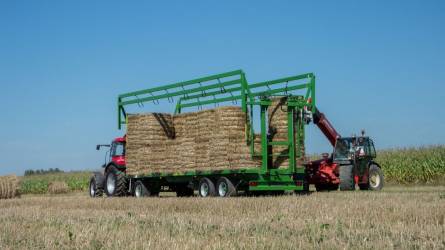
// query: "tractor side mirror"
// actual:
[[101, 145]]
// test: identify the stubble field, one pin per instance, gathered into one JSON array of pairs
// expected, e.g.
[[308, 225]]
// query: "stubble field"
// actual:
[[397, 218]]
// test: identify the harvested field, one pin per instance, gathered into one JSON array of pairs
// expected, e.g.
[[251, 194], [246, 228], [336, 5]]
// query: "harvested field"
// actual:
[[397, 218], [9, 186]]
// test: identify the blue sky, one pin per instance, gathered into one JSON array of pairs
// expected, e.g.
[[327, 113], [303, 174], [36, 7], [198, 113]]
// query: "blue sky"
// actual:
[[379, 66]]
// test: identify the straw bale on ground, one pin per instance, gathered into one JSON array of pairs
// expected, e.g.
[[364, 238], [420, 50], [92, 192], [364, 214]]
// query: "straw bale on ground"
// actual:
[[58, 187], [9, 186]]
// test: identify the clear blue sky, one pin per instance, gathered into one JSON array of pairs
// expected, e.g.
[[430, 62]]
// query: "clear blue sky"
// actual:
[[380, 65]]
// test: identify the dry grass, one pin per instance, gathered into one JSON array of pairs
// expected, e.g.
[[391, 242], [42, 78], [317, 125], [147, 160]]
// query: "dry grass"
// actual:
[[401, 218]]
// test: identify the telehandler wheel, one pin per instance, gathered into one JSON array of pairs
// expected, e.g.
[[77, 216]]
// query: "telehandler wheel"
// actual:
[[96, 186], [115, 182], [347, 178], [376, 178], [225, 187], [206, 188], [140, 190]]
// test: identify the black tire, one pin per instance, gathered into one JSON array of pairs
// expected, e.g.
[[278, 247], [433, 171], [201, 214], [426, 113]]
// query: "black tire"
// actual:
[[206, 188], [377, 184], [115, 182], [364, 186], [225, 187], [140, 190], [96, 186], [326, 187], [347, 178], [184, 191]]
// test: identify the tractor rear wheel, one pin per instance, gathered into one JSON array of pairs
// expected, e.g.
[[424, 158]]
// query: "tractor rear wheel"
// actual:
[[115, 182], [347, 178]]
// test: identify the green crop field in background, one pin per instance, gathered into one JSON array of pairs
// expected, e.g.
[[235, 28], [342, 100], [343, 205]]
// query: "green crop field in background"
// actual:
[[425, 165], [38, 184]]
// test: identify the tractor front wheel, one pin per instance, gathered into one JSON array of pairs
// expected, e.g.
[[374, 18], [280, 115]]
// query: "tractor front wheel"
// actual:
[[376, 178], [96, 186]]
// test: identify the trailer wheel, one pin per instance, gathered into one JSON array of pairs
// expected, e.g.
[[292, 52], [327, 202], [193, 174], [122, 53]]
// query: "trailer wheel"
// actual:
[[206, 187], [376, 178], [225, 187], [115, 182], [140, 190], [96, 186], [347, 178]]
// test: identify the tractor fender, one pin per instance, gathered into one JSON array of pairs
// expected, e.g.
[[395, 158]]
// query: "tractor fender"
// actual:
[[373, 163], [118, 167]]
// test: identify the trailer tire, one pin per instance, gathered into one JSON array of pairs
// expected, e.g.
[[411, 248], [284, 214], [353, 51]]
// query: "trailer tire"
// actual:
[[225, 187], [376, 178], [140, 190], [96, 186], [206, 187], [347, 178], [115, 182]]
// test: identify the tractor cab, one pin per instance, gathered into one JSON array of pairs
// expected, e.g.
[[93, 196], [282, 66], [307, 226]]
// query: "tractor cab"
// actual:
[[348, 149], [355, 158], [116, 154]]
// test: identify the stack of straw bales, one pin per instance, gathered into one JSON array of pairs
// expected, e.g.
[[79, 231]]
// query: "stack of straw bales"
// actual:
[[277, 115], [149, 142], [9, 186], [212, 139]]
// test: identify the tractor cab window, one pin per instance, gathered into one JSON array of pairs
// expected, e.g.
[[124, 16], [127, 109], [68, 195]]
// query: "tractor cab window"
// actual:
[[118, 149], [343, 148], [371, 148]]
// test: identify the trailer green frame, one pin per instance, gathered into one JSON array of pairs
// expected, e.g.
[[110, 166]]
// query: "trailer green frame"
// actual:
[[233, 87]]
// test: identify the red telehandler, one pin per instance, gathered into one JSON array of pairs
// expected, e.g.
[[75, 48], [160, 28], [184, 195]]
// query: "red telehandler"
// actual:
[[352, 162]]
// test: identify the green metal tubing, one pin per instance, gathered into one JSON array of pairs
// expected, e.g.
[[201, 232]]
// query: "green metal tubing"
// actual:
[[264, 155], [290, 137], [181, 84], [212, 93], [282, 80], [200, 103], [181, 92], [280, 90]]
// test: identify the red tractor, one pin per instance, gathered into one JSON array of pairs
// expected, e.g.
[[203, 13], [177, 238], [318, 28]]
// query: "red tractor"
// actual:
[[111, 179]]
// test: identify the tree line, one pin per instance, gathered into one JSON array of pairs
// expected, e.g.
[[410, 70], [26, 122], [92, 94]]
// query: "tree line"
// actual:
[[42, 171]]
